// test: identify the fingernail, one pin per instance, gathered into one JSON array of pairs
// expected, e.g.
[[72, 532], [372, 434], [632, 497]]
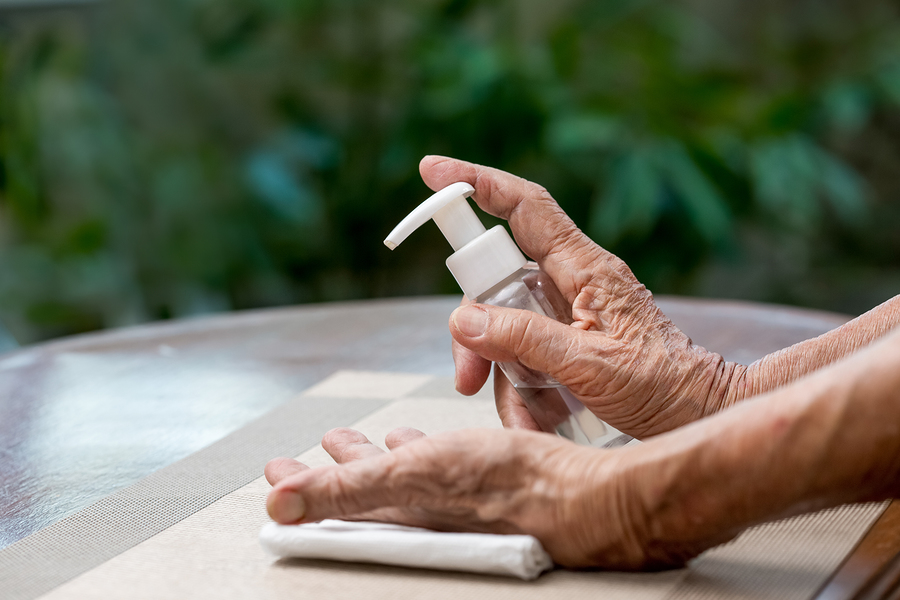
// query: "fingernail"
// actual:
[[285, 506], [471, 321]]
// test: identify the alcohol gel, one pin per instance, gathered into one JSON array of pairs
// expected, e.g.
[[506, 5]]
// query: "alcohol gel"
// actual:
[[491, 269]]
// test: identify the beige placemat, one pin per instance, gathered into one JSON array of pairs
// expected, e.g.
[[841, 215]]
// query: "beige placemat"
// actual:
[[214, 553]]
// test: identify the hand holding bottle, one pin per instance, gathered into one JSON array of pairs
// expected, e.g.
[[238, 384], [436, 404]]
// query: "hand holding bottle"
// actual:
[[621, 356], [490, 268]]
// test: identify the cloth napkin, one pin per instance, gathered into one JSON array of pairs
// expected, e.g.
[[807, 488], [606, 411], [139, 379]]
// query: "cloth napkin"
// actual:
[[519, 556]]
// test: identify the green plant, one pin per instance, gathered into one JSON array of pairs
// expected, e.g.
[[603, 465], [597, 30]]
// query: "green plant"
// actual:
[[167, 158]]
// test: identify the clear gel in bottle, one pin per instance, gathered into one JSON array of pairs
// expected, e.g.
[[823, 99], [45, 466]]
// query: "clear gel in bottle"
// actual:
[[491, 269]]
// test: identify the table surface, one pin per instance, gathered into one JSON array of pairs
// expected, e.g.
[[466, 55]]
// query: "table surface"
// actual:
[[85, 416]]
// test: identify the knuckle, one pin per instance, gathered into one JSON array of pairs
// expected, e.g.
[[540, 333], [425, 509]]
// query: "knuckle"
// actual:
[[529, 337], [540, 192], [516, 331]]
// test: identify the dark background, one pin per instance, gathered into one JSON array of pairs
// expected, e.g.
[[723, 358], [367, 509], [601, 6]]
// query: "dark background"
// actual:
[[166, 158]]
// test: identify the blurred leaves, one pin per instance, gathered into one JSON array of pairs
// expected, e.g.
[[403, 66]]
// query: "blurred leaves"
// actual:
[[167, 158], [793, 177], [278, 174], [643, 181]]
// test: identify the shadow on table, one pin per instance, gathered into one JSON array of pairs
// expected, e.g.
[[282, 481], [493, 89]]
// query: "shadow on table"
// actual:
[[558, 578]]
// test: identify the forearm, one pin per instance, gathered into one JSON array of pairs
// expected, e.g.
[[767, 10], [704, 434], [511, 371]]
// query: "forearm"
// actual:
[[782, 367], [831, 438]]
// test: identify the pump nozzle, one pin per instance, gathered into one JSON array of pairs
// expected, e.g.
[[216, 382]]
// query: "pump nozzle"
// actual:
[[481, 258], [450, 211]]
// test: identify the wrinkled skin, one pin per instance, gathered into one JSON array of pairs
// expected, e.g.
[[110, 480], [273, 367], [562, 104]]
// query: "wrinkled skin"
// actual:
[[622, 357], [573, 499], [813, 436]]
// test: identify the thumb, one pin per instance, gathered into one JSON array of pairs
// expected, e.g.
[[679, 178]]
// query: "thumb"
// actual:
[[510, 335]]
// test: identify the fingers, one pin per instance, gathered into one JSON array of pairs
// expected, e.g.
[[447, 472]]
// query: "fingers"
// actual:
[[282, 468], [402, 435], [346, 489], [342, 444], [345, 445], [471, 370], [469, 479], [499, 193], [541, 228], [509, 335], [423, 473], [510, 405]]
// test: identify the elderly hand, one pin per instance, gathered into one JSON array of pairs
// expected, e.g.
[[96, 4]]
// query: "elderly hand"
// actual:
[[621, 356], [579, 502]]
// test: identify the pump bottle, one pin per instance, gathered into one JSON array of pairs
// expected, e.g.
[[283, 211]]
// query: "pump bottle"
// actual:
[[491, 269]]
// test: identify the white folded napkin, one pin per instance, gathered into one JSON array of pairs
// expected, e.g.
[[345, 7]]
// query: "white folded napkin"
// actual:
[[363, 541]]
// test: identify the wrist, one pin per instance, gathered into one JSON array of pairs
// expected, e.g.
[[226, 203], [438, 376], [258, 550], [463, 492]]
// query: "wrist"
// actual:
[[703, 384], [660, 516], [724, 383], [827, 440]]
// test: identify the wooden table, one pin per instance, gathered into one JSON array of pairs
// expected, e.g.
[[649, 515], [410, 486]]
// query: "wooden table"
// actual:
[[85, 416]]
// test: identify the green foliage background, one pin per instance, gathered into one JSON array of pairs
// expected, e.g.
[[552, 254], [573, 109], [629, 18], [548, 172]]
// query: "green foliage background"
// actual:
[[163, 158]]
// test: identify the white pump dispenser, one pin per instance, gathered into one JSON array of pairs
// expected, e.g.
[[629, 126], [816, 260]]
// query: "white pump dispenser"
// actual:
[[482, 258], [491, 269]]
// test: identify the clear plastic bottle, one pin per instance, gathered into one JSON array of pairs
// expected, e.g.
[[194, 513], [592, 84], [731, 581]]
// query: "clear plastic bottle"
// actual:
[[553, 406], [491, 269]]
